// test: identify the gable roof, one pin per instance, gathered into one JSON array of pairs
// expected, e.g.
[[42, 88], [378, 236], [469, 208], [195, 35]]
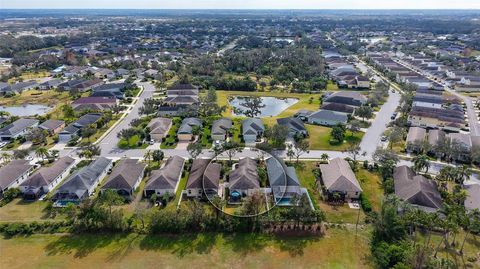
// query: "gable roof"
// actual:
[[204, 174], [12, 171], [221, 126], [187, 125], [252, 126], [159, 125], [329, 115], [338, 176], [46, 175], [82, 180], [124, 175], [51, 124], [416, 189], [416, 134], [168, 176], [294, 124], [279, 174], [245, 176], [18, 126]]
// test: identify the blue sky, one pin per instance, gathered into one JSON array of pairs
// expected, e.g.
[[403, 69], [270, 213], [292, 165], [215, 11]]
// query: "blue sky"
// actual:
[[245, 4]]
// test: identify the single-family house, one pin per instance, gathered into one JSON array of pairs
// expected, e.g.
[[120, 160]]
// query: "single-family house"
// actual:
[[416, 189], [203, 179], [159, 128], [116, 90], [125, 177], [52, 126], [350, 98], [283, 181], [94, 103], [252, 130], [338, 178], [46, 178], [13, 174], [294, 125], [82, 183], [220, 129], [327, 118], [243, 180], [165, 180], [50, 84], [342, 108], [74, 129], [18, 128], [415, 138], [185, 131]]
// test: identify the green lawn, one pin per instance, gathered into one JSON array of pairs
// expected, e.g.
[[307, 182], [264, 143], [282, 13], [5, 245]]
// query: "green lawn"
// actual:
[[131, 143], [371, 186], [331, 86], [339, 249], [100, 131], [320, 139], [335, 214], [303, 102], [49, 98], [170, 142], [20, 211]]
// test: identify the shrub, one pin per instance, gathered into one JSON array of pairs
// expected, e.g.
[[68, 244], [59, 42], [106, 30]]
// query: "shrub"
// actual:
[[365, 203]]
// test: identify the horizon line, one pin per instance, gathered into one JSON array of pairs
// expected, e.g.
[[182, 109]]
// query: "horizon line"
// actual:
[[252, 9]]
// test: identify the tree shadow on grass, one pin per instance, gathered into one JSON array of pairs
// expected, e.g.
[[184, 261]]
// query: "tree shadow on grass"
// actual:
[[180, 245], [244, 243], [294, 245], [82, 245]]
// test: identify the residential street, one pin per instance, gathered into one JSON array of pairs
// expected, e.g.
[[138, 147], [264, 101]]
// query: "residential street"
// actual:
[[371, 139], [109, 143], [473, 122]]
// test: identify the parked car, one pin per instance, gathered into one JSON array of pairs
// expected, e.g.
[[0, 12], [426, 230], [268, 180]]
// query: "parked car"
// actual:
[[384, 138]]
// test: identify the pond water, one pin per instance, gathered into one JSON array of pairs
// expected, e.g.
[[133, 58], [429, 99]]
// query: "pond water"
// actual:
[[26, 110], [273, 105]]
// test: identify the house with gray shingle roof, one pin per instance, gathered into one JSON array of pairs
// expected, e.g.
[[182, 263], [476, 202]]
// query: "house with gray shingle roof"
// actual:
[[415, 138], [18, 128], [159, 128], [166, 179], [338, 177], [283, 180], [52, 126], [13, 174], [220, 129], [125, 177], [294, 125], [203, 179], [416, 189], [74, 129], [82, 183], [252, 130], [185, 131], [327, 118], [244, 179], [46, 178]]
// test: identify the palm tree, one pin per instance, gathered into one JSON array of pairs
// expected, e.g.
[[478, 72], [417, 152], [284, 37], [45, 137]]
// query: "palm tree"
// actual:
[[5, 157], [324, 157], [148, 156], [461, 174], [41, 152], [420, 162]]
